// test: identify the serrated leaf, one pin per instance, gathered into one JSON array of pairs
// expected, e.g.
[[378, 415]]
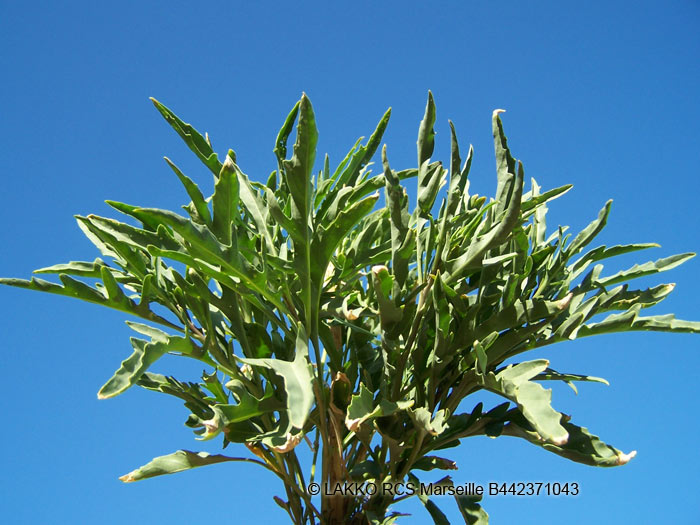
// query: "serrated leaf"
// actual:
[[508, 220], [195, 194], [537, 200], [144, 355], [298, 169], [225, 201], [590, 231], [128, 209], [194, 140], [425, 422], [280, 149], [254, 205], [505, 167], [513, 382], [553, 375], [649, 268], [298, 381], [402, 237], [79, 268], [582, 446], [362, 409], [209, 252], [79, 290], [297, 174], [248, 406], [327, 236]]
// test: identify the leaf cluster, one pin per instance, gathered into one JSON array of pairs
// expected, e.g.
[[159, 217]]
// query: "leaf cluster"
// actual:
[[356, 328]]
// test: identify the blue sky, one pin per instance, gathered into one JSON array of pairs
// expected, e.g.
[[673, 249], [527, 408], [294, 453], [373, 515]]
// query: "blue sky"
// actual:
[[602, 95]]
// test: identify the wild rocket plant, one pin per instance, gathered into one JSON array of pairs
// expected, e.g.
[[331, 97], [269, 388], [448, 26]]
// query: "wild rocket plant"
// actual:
[[358, 330]]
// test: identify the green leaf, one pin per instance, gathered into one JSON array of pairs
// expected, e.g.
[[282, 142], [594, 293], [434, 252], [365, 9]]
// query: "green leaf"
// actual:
[[506, 190], [603, 252], [297, 172], [621, 298], [273, 205], [426, 133], [128, 209], [649, 268], [84, 292], [257, 210], [431, 177], [358, 157], [582, 446], [481, 357], [428, 463], [538, 200], [478, 247], [513, 382], [210, 252], [630, 320], [194, 140], [375, 139], [471, 511], [522, 311], [666, 323], [225, 201], [195, 194], [124, 240], [436, 514], [327, 237], [457, 188], [175, 462], [402, 237], [590, 231], [79, 268], [280, 149], [383, 283], [144, 355], [425, 422], [362, 409], [248, 405], [553, 375], [298, 169], [298, 381]]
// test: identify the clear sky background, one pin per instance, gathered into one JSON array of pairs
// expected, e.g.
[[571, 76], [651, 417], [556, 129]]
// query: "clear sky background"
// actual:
[[603, 95]]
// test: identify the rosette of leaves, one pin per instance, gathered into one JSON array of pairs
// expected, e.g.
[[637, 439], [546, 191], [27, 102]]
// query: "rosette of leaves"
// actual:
[[326, 319]]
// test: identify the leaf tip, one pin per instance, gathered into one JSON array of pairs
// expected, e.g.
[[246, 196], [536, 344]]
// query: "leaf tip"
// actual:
[[291, 442], [353, 424], [623, 458], [560, 441], [564, 303], [127, 478]]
